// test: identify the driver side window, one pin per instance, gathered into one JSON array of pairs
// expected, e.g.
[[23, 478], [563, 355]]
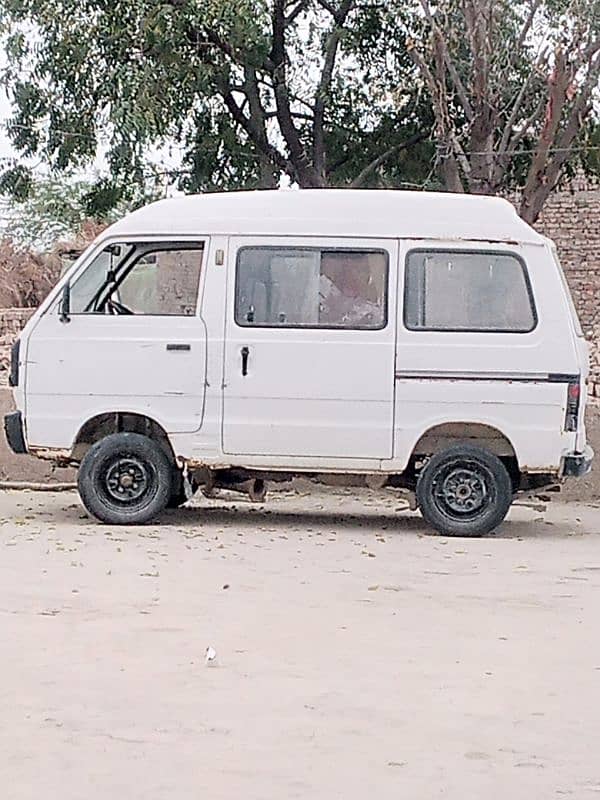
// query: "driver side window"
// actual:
[[159, 279]]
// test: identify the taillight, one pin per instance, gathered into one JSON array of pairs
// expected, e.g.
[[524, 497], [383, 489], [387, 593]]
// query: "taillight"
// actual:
[[13, 377], [573, 399]]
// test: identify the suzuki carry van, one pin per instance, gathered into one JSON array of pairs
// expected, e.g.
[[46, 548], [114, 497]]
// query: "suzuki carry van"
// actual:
[[418, 341]]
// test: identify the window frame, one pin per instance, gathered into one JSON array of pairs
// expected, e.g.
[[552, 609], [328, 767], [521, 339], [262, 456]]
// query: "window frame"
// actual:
[[312, 249], [469, 251], [141, 248]]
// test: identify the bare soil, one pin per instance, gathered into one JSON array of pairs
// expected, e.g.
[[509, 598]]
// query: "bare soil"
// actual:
[[357, 656]]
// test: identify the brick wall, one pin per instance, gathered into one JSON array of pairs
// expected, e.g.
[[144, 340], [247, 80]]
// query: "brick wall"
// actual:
[[572, 219], [12, 320]]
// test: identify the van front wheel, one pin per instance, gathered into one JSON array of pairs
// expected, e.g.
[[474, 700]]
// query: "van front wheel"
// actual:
[[464, 491], [125, 479]]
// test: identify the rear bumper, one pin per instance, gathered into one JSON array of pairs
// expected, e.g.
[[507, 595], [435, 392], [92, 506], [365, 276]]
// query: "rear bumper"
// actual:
[[578, 464], [15, 435]]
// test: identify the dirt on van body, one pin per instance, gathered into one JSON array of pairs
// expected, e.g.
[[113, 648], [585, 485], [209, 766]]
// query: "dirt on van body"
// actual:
[[26, 468]]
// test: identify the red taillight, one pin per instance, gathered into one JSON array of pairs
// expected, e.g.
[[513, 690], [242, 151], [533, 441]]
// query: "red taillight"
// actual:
[[573, 398]]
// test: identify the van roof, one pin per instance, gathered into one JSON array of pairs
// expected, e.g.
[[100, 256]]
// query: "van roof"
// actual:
[[331, 212]]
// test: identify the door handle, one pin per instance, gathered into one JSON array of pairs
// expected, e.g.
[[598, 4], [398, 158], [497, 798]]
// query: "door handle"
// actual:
[[245, 352], [179, 347]]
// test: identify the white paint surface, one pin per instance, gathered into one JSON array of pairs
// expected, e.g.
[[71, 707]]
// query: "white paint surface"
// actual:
[[312, 399]]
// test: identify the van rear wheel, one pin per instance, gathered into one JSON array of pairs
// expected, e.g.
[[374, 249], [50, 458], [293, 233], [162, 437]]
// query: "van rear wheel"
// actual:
[[464, 491], [125, 479]]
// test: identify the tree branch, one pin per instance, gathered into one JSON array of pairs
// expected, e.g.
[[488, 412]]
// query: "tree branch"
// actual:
[[324, 86], [370, 168], [221, 44], [301, 6], [440, 41], [335, 12], [535, 4], [518, 135], [552, 151], [256, 135], [304, 174]]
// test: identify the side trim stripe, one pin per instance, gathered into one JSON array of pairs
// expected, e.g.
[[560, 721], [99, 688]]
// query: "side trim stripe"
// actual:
[[546, 377]]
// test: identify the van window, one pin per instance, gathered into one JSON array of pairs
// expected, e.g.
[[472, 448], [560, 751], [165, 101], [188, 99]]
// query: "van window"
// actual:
[[89, 282], [567, 291], [143, 278], [455, 290], [162, 282], [311, 287]]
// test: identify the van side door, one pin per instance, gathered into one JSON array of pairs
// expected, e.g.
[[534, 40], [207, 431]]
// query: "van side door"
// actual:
[[309, 348], [133, 341]]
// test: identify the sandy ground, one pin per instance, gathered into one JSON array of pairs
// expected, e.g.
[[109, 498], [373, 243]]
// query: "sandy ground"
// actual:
[[358, 656]]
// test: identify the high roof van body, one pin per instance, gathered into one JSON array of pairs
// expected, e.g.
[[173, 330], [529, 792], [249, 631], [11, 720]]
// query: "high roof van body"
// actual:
[[419, 341]]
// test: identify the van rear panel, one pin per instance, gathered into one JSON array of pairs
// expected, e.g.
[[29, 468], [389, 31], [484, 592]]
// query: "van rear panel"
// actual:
[[500, 353]]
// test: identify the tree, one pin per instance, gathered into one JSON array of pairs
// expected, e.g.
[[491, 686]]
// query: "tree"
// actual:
[[250, 90], [56, 208], [468, 95], [512, 85]]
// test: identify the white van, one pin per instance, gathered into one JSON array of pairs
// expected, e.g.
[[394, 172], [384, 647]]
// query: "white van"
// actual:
[[421, 341]]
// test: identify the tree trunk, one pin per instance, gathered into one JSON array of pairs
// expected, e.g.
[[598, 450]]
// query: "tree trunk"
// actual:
[[450, 174], [269, 173]]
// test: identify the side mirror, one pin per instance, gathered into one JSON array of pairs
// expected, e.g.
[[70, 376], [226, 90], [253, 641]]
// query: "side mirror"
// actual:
[[65, 304]]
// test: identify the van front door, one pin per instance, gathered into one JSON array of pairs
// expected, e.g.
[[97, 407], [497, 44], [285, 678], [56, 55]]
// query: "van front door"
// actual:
[[309, 351], [132, 342]]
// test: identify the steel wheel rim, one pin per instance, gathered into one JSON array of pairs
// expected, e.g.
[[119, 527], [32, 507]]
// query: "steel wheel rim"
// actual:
[[463, 489], [127, 480]]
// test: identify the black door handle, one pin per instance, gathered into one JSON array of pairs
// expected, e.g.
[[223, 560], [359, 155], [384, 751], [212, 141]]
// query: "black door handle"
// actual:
[[245, 351], [179, 347]]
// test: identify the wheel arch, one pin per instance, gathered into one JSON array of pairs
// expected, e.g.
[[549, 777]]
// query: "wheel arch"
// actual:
[[443, 434], [102, 424]]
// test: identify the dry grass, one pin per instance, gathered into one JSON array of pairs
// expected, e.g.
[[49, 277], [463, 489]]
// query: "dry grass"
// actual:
[[26, 277]]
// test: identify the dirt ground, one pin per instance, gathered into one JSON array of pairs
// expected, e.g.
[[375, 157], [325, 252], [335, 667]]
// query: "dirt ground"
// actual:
[[356, 655]]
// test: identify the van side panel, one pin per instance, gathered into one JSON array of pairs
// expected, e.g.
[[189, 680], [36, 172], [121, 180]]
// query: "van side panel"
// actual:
[[514, 382], [529, 415], [94, 364]]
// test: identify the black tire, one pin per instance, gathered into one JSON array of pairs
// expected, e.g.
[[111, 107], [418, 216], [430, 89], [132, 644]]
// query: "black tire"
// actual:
[[178, 494], [125, 479], [464, 491]]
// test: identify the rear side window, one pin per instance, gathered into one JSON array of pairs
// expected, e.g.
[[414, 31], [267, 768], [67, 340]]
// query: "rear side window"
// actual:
[[567, 291], [456, 290], [311, 288]]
